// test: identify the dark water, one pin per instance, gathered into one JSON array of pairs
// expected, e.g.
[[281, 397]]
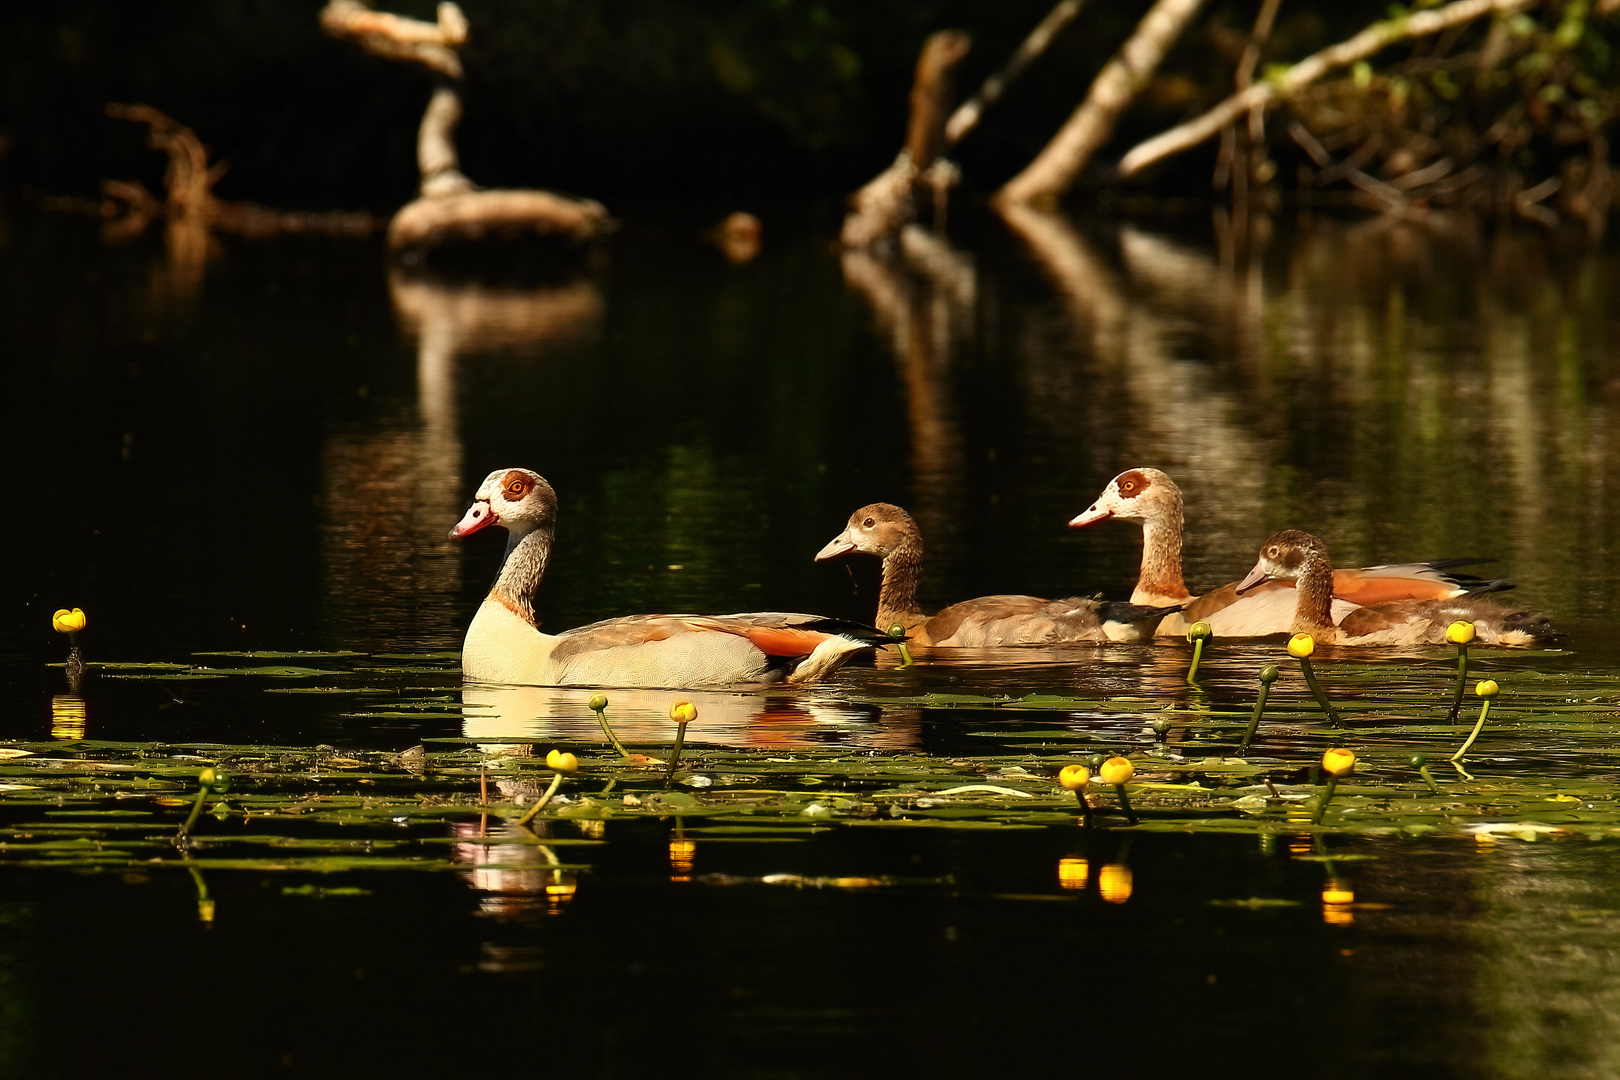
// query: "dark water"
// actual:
[[265, 452]]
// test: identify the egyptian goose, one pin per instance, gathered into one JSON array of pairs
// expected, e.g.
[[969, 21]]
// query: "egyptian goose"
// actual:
[[887, 532], [1152, 499], [504, 643], [1302, 559]]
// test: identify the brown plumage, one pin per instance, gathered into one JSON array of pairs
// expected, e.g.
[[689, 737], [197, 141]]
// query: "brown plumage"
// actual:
[[1150, 498], [1299, 557], [887, 532]]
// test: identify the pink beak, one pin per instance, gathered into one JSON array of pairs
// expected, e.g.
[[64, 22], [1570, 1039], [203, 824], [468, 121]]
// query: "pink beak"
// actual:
[[478, 516], [1090, 517], [841, 545], [1256, 577]]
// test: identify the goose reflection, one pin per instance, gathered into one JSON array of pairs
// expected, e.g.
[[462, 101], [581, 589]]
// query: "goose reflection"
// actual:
[[392, 573], [517, 876], [640, 718]]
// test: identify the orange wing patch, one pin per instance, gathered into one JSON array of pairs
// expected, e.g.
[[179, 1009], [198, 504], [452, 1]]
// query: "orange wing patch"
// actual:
[[1358, 588], [783, 640]]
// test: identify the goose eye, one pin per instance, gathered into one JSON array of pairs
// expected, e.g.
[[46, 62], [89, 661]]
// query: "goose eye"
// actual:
[[868, 523], [1272, 553], [1128, 486]]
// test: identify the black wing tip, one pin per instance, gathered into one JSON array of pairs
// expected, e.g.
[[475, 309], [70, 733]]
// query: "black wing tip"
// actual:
[[1474, 585], [1123, 611], [860, 631]]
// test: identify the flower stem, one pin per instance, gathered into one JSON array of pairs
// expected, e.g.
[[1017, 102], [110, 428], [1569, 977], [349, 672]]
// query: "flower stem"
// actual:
[[1428, 778], [1254, 721], [1462, 681], [1125, 804], [196, 809], [675, 754], [540, 803], [1198, 654], [1327, 797], [1484, 711], [1316, 689], [1085, 807], [601, 717]]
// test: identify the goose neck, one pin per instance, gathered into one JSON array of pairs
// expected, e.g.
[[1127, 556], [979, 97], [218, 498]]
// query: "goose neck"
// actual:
[[519, 580], [897, 600], [1162, 536], [1315, 587]]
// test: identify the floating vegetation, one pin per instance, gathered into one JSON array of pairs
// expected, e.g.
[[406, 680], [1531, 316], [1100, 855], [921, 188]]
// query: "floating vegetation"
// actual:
[[516, 803]]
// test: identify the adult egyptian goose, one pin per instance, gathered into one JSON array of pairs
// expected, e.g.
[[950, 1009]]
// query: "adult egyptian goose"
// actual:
[[504, 643], [888, 532], [1302, 559], [1151, 499]]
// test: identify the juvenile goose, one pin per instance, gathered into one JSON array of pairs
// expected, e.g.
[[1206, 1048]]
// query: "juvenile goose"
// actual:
[[1151, 499], [1302, 559], [887, 532], [504, 643]]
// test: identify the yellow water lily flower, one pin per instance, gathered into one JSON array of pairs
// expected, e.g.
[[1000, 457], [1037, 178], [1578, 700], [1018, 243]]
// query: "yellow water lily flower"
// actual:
[[68, 621], [1117, 771], [1460, 632], [1338, 762], [558, 761], [598, 702], [1200, 631], [1487, 688], [1301, 646], [1075, 777], [683, 712]]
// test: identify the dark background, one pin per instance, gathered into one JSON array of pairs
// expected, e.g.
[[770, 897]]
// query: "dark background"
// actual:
[[729, 100]]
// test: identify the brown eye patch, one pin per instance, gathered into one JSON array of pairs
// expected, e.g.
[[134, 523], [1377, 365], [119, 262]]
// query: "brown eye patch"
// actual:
[[514, 486], [1132, 483]]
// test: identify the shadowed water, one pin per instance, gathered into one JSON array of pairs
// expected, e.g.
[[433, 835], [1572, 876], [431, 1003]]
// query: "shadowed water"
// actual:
[[261, 448]]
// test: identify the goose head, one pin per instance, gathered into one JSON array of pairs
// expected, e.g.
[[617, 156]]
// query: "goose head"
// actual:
[[1286, 556], [516, 499], [880, 529], [1138, 495]]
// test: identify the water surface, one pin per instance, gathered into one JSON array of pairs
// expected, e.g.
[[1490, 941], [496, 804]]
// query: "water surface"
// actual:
[[264, 451]]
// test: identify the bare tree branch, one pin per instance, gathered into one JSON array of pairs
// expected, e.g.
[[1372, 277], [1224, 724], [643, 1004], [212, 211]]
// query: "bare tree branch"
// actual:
[[1307, 71], [966, 117], [1053, 171]]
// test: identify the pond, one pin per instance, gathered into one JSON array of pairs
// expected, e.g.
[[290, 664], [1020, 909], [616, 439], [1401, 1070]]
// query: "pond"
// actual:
[[244, 468]]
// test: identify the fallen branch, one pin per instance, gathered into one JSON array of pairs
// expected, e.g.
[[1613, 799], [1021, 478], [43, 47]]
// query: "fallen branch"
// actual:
[[886, 204], [1053, 172], [1365, 44]]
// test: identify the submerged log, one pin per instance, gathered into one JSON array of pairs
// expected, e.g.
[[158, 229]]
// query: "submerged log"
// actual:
[[449, 206]]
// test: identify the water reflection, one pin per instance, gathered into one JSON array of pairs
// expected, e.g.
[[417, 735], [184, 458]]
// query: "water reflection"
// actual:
[[924, 302], [641, 718], [394, 574], [518, 877]]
